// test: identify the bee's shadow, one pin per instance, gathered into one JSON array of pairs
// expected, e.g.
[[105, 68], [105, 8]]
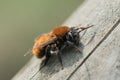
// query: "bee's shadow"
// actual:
[[69, 57]]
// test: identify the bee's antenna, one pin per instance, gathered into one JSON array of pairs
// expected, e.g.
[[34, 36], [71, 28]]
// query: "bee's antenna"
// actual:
[[28, 52], [84, 28]]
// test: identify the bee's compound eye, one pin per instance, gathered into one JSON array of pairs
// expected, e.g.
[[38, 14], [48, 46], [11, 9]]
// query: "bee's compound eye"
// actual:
[[70, 36]]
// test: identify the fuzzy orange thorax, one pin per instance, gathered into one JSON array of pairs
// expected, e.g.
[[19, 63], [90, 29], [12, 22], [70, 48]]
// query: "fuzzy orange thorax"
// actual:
[[61, 31]]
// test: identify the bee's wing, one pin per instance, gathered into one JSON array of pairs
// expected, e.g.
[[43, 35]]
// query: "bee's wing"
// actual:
[[49, 41]]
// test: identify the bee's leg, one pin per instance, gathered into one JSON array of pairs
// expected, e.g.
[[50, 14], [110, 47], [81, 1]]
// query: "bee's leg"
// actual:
[[55, 50], [63, 47], [59, 58], [73, 45], [45, 62], [47, 56]]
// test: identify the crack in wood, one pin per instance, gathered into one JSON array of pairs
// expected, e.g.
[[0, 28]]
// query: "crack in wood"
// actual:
[[84, 60]]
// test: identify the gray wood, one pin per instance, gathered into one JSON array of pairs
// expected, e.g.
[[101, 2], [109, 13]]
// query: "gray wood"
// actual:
[[104, 15], [104, 63]]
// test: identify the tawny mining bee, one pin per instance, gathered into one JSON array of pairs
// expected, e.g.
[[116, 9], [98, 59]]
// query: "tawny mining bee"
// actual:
[[55, 41]]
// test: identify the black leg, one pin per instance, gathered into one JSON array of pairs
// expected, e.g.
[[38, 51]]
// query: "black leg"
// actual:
[[60, 59], [47, 52], [45, 62], [73, 45], [63, 47]]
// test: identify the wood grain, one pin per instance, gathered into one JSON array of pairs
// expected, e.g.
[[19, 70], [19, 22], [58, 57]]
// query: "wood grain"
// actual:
[[104, 63]]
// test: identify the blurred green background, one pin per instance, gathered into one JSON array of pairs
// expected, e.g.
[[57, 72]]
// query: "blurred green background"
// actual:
[[20, 22]]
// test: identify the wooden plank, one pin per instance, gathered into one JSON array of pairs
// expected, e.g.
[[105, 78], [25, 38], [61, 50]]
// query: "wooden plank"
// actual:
[[104, 14], [104, 63]]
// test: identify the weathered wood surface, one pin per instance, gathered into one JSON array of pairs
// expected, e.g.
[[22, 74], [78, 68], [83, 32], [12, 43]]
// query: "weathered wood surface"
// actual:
[[104, 63], [99, 59]]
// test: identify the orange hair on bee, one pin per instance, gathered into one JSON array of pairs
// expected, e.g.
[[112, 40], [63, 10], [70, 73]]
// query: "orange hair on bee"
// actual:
[[61, 30], [42, 42]]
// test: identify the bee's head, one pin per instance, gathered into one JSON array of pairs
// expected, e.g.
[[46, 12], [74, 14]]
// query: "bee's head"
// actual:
[[73, 36]]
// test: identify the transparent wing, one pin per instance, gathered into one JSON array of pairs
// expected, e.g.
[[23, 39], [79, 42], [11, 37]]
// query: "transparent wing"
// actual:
[[49, 41]]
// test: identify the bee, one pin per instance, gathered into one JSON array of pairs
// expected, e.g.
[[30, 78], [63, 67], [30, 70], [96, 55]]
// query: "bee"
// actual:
[[55, 41]]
